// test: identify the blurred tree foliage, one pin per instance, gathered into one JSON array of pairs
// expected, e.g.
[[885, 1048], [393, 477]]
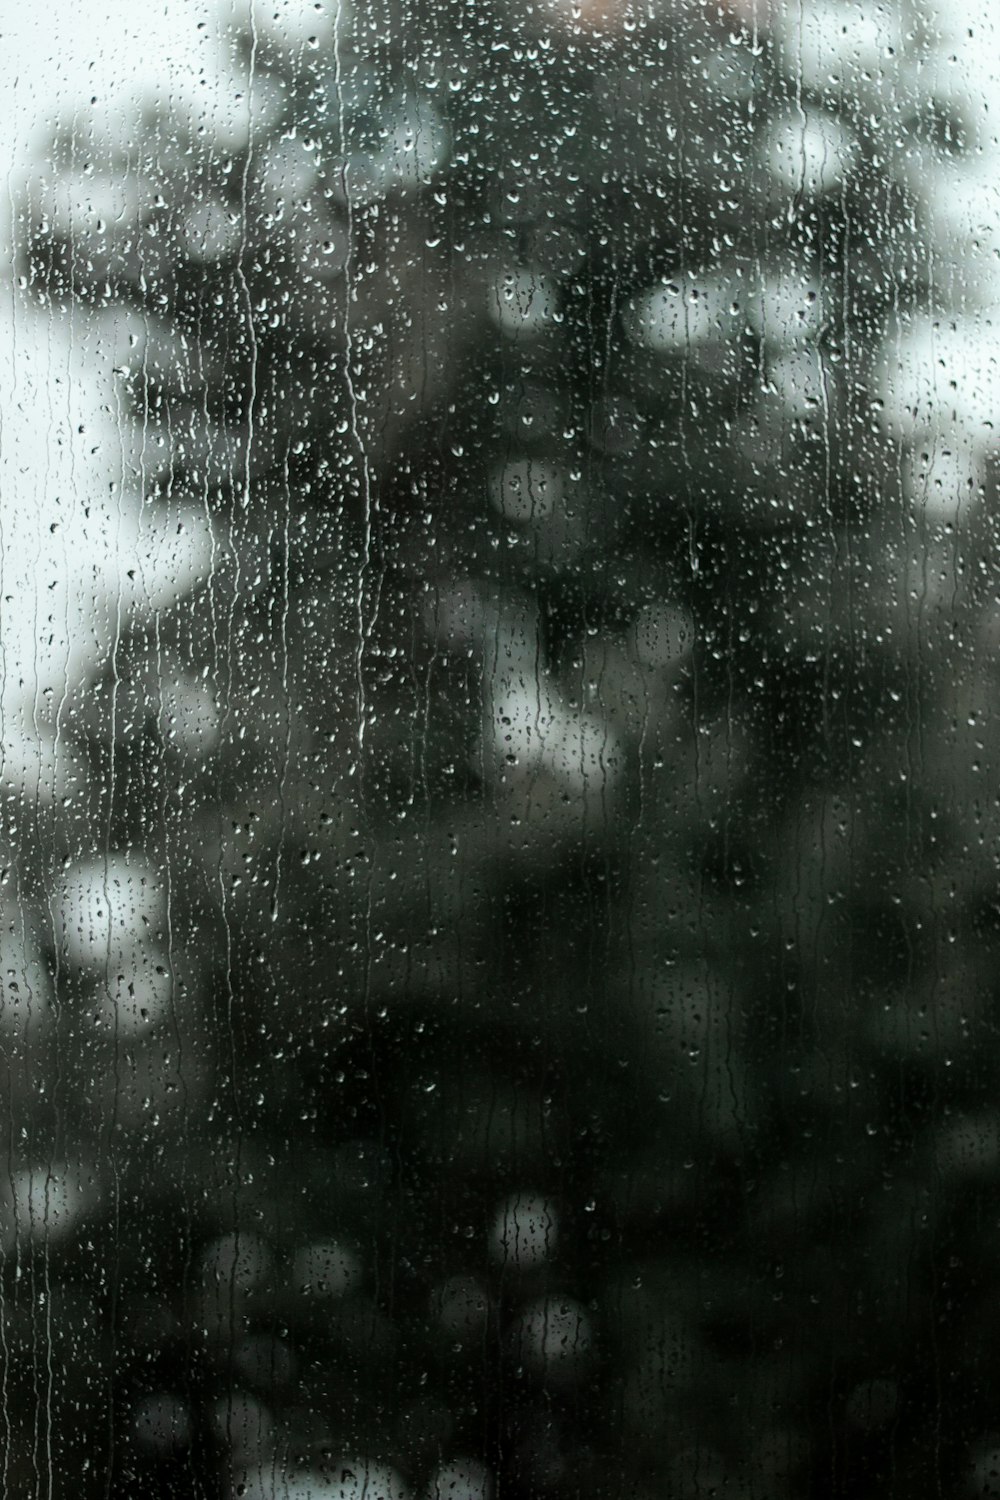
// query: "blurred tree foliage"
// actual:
[[518, 1006]]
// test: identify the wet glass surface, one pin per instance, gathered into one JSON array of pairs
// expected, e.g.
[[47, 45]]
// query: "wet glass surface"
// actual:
[[499, 794]]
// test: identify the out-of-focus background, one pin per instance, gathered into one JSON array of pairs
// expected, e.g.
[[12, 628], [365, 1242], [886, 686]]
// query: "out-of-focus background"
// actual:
[[499, 811], [82, 67]]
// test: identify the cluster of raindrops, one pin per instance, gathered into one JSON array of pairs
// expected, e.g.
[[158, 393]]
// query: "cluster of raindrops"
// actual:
[[532, 702]]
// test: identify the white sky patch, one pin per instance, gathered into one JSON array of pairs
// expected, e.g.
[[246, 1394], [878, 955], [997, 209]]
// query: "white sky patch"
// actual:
[[77, 553]]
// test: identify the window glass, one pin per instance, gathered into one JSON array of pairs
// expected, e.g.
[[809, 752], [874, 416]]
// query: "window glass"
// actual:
[[499, 750]]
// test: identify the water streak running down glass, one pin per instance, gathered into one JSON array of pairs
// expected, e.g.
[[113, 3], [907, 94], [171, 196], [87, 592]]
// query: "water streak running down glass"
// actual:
[[499, 750]]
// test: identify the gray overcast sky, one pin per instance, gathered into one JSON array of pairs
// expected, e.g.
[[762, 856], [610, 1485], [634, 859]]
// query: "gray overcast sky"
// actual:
[[79, 553], [63, 571], [55, 58], [72, 524]]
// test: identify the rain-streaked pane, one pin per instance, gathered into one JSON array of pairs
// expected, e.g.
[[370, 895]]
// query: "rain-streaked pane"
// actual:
[[499, 756]]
